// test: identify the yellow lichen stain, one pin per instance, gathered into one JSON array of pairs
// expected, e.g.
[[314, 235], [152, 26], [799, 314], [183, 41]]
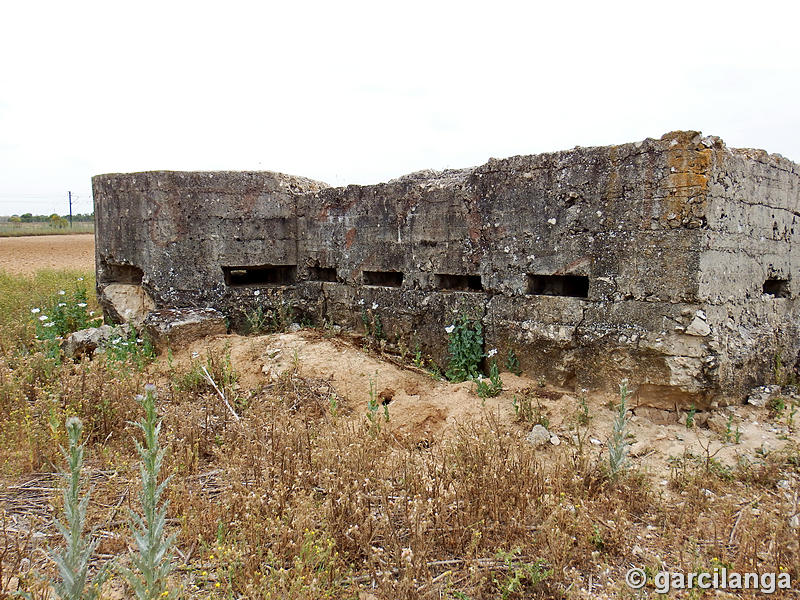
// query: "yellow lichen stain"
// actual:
[[690, 165]]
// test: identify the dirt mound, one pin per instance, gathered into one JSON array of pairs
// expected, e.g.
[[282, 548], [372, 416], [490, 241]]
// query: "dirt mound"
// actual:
[[423, 408], [26, 255]]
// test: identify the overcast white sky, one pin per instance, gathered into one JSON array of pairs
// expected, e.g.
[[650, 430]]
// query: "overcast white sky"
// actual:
[[361, 92]]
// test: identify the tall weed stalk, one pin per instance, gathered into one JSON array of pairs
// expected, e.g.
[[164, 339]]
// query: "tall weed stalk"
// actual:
[[619, 442], [73, 560], [152, 559]]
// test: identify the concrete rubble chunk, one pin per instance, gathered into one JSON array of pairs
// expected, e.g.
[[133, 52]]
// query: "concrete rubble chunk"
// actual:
[[539, 436], [87, 341], [177, 327], [759, 396], [659, 416], [698, 327], [126, 303]]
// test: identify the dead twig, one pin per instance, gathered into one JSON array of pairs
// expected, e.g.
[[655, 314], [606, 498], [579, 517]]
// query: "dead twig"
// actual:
[[221, 395]]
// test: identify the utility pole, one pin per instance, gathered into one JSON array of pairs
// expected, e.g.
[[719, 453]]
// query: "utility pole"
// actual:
[[70, 209]]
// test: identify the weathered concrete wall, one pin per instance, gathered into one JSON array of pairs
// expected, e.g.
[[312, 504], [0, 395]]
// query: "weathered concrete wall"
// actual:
[[645, 260], [179, 230]]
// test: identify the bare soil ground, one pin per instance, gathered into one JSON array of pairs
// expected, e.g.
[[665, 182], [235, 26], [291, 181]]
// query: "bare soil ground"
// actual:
[[26, 255], [424, 409]]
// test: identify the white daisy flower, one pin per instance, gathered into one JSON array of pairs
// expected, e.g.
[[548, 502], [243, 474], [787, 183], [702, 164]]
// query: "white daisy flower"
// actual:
[[62, 304], [491, 352], [43, 318], [374, 305], [61, 292], [49, 324], [36, 310], [82, 304], [80, 278], [450, 329]]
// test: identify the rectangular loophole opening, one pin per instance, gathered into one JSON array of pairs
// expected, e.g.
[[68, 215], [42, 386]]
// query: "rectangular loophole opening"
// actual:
[[573, 286], [459, 283], [322, 274], [383, 278], [260, 275], [123, 274], [777, 288]]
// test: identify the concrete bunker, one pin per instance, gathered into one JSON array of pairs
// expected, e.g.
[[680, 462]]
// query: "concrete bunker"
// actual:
[[669, 261]]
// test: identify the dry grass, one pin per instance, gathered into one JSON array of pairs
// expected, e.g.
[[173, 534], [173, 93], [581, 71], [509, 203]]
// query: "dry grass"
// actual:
[[297, 500]]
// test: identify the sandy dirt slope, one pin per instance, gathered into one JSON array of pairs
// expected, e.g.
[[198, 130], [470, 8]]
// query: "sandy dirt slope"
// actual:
[[424, 410], [25, 255]]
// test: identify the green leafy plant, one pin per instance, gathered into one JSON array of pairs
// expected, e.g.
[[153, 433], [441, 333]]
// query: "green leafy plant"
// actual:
[[64, 313], [519, 574], [619, 442], [690, 417], [494, 385], [582, 416], [777, 369], [152, 559], [596, 539], [373, 324], [776, 405], [519, 406], [465, 346], [257, 321], [731, 434], [512, 362], [373, 405], [282, 315], [527, 412], [418, 360], [435, 372], [333, 405], [135, 350], [73, 560]]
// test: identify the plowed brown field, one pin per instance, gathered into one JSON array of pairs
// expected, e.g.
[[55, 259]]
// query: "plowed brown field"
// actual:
[[24, 255]]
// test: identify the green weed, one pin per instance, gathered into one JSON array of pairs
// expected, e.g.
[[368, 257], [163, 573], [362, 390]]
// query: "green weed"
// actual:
[[619, 442], [519, 574], [494, 385], [465, 346], [690, 417], [373, 406], [134, 350], [152, 559], [512, 362], [72, 562]]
